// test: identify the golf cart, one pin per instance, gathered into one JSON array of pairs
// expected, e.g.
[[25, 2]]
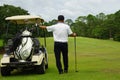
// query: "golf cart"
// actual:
[[23, 51]]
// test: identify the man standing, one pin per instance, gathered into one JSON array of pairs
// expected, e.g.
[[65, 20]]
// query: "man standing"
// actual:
[[61, 31]]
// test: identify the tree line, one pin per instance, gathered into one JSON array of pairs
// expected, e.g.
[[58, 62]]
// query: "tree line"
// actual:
[[99, 26]]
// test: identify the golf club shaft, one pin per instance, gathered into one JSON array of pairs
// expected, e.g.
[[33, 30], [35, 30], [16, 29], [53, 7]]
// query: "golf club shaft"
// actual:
[[44, 38], [75, 54]]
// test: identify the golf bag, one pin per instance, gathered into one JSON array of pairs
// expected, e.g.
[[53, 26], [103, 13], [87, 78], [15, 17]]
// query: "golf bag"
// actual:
[[24, 50], [23, 45]]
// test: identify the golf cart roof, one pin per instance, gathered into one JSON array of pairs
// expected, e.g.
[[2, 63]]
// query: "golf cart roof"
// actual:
[[23, 19]]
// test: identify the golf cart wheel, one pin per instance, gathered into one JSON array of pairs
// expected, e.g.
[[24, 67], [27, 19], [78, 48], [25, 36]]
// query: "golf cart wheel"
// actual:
[[41, 68], [46, 66], [5, 71]]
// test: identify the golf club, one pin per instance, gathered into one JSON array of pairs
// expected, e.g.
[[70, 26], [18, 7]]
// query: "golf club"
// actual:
[[75, 55]]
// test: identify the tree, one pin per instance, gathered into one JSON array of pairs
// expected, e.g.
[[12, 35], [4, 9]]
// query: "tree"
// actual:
[[69, 22], [91, 23], [110, 26], [117, 25], [101, 16], [80, 26], [9, 10], [99, 30]]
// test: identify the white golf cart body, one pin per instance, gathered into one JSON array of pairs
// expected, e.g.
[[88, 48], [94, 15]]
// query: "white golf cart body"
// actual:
[[37, 61]]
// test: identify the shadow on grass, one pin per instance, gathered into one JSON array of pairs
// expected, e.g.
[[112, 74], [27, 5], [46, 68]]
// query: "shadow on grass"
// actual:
[[29, 72], [24, 73]]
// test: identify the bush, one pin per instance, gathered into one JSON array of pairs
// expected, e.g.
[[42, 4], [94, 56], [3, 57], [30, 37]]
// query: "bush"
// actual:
[[117, 37], [5, 38]]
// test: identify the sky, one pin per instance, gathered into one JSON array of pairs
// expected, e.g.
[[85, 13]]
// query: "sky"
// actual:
[[71, 9]]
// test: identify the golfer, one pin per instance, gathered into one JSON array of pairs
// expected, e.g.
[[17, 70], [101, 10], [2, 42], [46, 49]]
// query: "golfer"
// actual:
[[61, 31]]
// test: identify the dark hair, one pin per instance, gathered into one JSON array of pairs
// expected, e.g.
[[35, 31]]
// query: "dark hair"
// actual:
[[60, 18]]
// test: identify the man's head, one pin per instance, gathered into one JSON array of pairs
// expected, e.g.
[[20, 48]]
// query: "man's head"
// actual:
[[60, 18]]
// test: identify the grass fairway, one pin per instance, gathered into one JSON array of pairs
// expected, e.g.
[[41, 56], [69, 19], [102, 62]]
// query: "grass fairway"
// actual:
[[96, 60]]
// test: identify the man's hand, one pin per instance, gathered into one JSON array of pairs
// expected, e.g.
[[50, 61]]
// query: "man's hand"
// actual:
[[73, 35]]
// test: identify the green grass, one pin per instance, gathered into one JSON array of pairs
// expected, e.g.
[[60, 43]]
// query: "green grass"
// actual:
[[96, 60]]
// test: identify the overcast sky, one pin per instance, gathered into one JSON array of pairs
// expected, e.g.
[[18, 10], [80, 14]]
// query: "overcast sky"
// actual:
[[71, 9]]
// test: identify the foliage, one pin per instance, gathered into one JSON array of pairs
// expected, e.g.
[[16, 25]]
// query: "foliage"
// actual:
[[117, 37], [100, 26]]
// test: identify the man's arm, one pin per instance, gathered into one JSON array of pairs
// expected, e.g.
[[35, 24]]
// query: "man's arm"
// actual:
[[43, 27]]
